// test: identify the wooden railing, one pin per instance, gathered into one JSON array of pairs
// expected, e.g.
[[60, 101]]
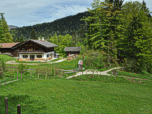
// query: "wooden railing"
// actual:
[[30, 50]]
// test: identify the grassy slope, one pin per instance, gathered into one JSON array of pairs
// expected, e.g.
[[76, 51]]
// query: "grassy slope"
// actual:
[[6, 57], [71, 96], [101, 94]]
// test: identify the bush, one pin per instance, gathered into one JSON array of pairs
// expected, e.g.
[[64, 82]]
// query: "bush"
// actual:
[[22, 67]]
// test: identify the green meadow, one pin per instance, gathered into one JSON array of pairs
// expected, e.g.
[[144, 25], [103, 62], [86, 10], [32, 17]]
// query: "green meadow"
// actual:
[[85, 94], [107, 96]]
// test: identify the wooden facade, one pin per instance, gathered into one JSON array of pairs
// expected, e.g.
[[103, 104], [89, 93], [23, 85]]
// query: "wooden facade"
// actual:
[[71, 52], [31, 46], [30, 50]]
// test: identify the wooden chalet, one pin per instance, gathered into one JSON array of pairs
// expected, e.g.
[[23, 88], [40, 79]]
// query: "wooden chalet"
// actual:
[[72, 50], [38, 50]]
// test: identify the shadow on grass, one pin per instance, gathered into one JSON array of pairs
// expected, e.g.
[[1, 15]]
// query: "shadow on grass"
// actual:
[[28, 103]]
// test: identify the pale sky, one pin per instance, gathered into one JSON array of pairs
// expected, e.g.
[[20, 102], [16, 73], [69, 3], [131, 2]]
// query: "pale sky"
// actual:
[[31, 12]]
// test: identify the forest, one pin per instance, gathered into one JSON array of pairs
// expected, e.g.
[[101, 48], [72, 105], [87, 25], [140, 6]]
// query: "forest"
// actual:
[[123, 32]]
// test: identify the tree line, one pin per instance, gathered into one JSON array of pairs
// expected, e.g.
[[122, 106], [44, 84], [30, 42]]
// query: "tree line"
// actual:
[[122, 31]]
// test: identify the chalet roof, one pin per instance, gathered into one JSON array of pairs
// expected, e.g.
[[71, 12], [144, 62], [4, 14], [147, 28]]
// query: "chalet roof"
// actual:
[[43, 43], [8, 45], [72, 49]]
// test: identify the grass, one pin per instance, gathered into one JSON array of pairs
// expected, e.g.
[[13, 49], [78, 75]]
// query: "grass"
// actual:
[[140, 75], [55, 60], [75, 96], [83, 94], [34, 75], [106, 79], [6, 57]]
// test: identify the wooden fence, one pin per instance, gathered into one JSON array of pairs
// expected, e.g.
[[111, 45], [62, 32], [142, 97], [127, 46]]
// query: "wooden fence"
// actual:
[[72, 71], [6, 107]]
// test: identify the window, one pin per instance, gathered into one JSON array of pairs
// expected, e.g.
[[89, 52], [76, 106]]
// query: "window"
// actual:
[[40, 48], [47, 55], [39, 56], [25, 56]]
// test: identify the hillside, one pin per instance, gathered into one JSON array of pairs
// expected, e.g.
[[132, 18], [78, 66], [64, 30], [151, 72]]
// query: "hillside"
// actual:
[[12, 26], [61, 26]]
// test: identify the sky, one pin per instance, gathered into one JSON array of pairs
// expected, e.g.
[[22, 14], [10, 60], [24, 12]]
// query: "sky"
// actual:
[[31, 12]]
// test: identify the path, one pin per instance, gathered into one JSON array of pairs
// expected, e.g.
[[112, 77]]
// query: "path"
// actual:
[[103, 73], [95, 72], [13, 62], [9, 82]]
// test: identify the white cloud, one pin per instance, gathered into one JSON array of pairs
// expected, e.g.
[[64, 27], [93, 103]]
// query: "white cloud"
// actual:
[[30, 12]]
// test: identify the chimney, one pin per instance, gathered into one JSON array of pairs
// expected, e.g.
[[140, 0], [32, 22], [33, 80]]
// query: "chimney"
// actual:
[[43, 39]]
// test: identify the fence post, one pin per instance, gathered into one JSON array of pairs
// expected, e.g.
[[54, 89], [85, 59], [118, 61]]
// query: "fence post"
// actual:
[[46, 75], [0, 83], [18, 109], [38, 75], [30, 74], [54, 73], [4, 80], [6, 105], [11, 77], [21, 75], [17, 75]]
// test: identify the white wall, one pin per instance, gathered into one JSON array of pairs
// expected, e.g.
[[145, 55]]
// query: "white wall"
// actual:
[[21, 55], [43, 55]]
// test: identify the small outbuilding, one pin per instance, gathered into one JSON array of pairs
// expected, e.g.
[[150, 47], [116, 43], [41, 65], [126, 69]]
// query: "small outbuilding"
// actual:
[[72, 50]]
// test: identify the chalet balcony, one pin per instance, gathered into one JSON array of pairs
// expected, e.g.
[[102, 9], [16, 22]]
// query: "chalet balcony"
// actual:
[[31, 51]]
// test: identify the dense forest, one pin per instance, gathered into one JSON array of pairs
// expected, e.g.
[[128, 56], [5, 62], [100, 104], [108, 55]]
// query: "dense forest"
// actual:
[[123, 32], [61, 26]]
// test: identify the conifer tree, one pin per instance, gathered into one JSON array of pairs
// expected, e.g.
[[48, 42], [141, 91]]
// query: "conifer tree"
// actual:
[[2, 36], [17, 39], [132, 36], [9, 38], [21, 38], [33, 35]]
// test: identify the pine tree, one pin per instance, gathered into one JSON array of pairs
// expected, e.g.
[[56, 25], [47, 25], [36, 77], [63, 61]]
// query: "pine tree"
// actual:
[[74, 36], [9, 38], [17, 39], [132, 34], [33, 35], [2, 35], [21, 40]]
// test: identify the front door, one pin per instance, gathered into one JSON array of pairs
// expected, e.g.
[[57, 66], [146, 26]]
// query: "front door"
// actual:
[[31, 57]]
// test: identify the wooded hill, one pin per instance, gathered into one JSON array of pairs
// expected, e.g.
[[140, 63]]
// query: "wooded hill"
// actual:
[[61, 26]]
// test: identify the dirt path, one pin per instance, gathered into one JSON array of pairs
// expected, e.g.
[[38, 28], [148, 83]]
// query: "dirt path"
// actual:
[[95, 72], [103, 73], [132, 77], [13, 62], [9, 82]]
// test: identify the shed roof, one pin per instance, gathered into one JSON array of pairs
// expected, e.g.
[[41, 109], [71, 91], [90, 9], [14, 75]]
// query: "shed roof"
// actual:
[[72, 49], [8, 45]]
